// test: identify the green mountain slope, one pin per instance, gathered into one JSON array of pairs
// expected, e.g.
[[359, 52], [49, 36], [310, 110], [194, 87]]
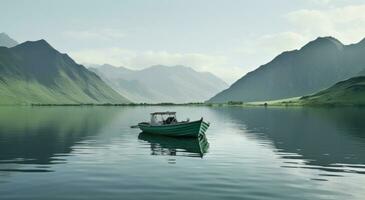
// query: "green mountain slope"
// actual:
[[178, 84], [348, 92], [316, 66], [34, 72], [6, 41]]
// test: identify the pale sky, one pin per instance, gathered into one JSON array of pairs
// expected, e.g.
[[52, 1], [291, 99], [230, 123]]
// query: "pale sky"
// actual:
[[227, 37]]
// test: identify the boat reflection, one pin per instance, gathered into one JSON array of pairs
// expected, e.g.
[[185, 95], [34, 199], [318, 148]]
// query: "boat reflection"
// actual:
[[170, 146]]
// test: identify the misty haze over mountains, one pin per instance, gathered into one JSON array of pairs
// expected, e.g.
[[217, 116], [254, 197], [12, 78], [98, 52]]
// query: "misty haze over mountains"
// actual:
[[34, 72], [6, 41], [177, 84]]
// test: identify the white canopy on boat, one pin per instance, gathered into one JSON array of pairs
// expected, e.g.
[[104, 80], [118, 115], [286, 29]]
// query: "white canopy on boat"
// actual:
[[155, 121], [163, 113]]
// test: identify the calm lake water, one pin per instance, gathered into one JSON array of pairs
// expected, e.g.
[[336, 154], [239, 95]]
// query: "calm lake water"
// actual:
[[253, 153]]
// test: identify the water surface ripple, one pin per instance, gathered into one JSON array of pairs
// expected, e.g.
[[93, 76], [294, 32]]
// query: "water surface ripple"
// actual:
[[248, 153]]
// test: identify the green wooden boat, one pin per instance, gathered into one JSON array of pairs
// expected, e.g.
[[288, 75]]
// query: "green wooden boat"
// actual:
[[165, 123]]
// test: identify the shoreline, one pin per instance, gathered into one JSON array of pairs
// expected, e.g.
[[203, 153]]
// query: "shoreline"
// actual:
[[265, 105]]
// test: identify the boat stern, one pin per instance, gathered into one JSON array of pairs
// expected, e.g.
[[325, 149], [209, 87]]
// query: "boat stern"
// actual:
[[203, 127]]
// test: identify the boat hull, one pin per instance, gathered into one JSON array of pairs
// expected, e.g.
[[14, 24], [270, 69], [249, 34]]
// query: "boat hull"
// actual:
[[190, 129]]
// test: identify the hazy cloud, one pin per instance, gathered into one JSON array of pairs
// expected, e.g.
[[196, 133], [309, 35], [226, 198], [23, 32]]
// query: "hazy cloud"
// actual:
[[262, 49], [97, 34], [321, 1], [345, 23], [138, 60]]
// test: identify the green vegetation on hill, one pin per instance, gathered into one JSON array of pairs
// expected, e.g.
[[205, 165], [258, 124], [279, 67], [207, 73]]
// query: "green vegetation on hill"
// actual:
[[34, 72], [316, 66], [350, 92]]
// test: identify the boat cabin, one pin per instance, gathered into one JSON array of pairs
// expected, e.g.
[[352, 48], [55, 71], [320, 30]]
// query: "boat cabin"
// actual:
[[162, 118]]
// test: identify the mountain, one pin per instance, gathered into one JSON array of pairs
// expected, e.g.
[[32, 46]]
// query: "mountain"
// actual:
[[316, 66], [34, 72], [6, 41], [177, 84], [348, 92]]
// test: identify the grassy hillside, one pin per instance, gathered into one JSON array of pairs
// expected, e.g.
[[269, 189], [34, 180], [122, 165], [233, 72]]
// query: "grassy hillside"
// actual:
[[349, 92], [316, 66], [34, 72]]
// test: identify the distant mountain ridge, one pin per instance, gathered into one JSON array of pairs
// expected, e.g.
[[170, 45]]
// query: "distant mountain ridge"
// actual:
[[6, 41], [316, 66], [156, 84], [35, 72]]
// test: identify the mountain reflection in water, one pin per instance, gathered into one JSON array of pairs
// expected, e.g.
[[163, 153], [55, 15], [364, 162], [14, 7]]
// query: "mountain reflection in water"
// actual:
[[329, 139], [39, 137], [254, 153]]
